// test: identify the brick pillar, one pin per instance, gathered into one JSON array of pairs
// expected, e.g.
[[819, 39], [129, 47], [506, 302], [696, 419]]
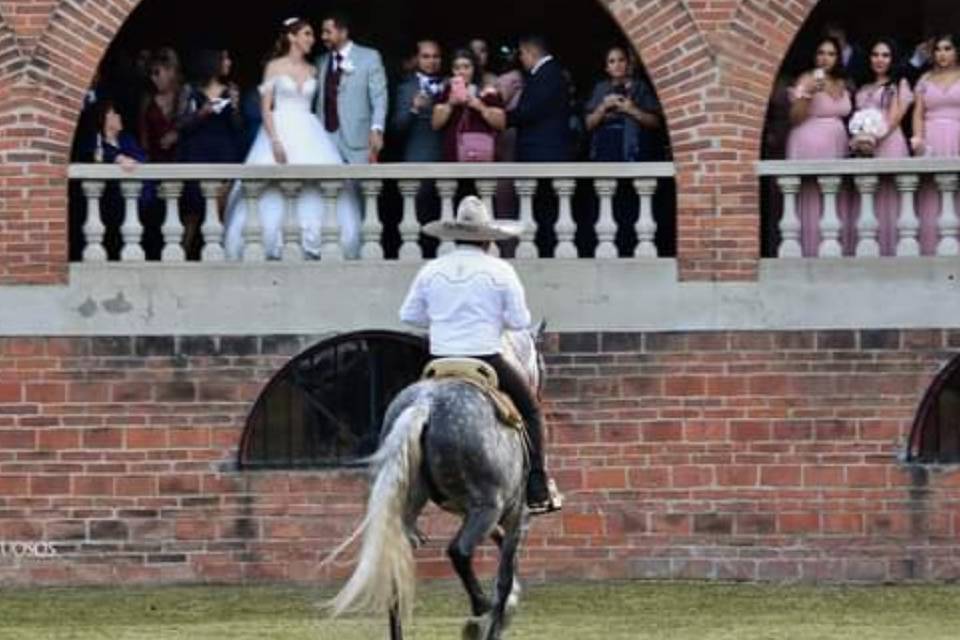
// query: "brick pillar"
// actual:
[[713, 64]]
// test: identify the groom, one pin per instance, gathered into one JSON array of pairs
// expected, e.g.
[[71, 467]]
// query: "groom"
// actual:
[[352, 100]]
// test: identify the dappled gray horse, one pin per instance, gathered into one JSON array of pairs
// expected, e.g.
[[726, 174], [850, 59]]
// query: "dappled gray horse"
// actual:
[[442, 442]]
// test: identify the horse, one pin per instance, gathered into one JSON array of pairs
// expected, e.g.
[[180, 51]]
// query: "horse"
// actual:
[[442, 442]]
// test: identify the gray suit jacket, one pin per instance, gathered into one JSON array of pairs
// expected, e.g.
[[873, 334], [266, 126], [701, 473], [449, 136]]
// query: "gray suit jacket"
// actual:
[[421, 142], [361, 100]]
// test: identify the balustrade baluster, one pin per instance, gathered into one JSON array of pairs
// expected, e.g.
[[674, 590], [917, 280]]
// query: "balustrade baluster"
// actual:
[[372, 249], [330, 248], [867, 225], [605, 227], [292, 240], [212, 230], [93, 229], [566, 228], [646, 225], [447, 190], [829, 220], [253, 250], [172, 228], [789, 222], [131, 230], [409, 227], [947, 223], [527, 249], [907, 223]]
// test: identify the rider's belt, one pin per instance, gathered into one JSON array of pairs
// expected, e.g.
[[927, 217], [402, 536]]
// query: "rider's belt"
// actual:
[[481, 375]]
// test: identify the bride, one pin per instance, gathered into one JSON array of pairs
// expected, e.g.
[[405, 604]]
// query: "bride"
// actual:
[[291, 134]]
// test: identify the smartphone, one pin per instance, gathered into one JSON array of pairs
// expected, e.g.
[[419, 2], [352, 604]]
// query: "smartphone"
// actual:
[[219, 104], [458, 89]]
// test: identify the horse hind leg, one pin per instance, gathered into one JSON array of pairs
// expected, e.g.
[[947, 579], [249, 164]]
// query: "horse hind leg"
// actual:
[[507, 587], [396, 627], [476, 527]]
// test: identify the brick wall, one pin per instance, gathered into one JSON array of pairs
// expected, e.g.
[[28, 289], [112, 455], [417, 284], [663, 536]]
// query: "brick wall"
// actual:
[[712, 61], [768, 456]]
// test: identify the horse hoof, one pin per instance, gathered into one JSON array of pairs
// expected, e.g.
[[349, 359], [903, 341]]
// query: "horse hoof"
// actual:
[[473, 628]]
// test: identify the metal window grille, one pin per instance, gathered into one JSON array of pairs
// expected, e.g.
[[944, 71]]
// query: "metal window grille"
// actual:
[[324, 409]]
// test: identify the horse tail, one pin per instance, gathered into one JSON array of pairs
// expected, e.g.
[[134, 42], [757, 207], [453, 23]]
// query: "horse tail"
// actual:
[[384, 576]]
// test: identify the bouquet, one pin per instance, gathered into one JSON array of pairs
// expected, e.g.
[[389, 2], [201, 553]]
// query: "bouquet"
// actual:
[[866, 126]]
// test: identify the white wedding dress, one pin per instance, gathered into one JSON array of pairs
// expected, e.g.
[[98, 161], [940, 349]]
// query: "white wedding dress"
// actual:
[[305, 141]]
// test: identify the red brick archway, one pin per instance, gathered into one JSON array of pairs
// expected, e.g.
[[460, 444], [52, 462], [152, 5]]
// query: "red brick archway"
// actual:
[[712, 65]]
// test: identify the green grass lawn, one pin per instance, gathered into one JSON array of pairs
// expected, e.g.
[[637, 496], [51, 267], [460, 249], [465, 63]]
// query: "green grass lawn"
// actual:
[[612, 611]]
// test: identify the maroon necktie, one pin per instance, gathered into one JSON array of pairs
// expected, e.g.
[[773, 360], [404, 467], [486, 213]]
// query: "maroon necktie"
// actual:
[[330, 117]]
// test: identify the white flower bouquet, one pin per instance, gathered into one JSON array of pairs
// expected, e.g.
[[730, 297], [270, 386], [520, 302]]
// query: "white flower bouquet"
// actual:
[[866, 126]]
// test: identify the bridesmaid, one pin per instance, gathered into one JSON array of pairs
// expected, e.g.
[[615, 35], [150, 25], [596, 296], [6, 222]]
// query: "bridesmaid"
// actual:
[[819, 103], [890, 94], [936, 129]]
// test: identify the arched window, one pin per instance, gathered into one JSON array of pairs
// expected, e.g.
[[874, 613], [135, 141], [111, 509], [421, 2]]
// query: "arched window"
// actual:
[[936, 430], [325, 407]]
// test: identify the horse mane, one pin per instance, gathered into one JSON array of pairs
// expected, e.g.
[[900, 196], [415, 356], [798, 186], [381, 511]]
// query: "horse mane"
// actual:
[[520, 350]]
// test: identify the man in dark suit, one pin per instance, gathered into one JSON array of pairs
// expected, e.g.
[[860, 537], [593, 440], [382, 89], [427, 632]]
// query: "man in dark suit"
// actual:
[[415, 99], [542, 117]]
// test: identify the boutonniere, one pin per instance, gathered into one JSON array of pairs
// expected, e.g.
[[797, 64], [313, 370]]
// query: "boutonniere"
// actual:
[[347, 67]]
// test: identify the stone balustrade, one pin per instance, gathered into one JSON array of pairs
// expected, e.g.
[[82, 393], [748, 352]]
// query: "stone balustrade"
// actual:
[[529, 185]]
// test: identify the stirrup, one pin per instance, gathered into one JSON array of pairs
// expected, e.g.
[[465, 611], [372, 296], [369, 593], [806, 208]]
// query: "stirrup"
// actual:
[[551, 504]]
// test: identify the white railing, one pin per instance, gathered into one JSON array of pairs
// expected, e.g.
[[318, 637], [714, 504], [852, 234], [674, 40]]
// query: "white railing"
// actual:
[[864, 177], [524, 182]]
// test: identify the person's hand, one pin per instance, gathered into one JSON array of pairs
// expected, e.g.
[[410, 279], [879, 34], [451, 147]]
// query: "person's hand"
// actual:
[[168, 140], [624, 104], [863, 146], [234, 94], [916, 143], [420, 101], [819, 78], [923, 51], [475, 103], [126, 162], [610, 102], [376, 142], [279, 153]]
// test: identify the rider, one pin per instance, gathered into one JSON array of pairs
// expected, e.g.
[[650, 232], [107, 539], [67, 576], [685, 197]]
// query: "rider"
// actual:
[[467, 298]]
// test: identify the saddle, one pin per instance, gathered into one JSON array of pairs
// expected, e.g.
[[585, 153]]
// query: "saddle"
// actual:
[[481, 375]]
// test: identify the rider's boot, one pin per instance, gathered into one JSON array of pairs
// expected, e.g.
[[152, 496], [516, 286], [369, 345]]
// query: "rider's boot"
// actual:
[[542, 494]]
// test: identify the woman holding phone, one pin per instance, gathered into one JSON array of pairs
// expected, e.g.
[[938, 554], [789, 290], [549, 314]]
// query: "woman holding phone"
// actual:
[[819, 101], [469, 116], [623, 115]]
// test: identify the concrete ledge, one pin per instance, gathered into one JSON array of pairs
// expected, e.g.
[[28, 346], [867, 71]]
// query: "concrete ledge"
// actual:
[[576, 295]]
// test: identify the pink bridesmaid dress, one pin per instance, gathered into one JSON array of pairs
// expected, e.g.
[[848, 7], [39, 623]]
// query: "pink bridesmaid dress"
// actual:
[[887, 202], [941, 138], [821, 136]]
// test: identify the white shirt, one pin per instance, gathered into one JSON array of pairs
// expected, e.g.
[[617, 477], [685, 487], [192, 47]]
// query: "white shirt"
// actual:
[[467, 298], [542, 61], [344, 52]]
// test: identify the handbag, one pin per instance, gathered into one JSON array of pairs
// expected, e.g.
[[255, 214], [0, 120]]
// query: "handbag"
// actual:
[[474, 146]]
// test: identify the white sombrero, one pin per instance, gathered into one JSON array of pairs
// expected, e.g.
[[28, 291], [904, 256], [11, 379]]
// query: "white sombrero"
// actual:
[[473, 224]]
